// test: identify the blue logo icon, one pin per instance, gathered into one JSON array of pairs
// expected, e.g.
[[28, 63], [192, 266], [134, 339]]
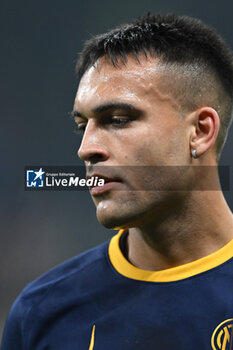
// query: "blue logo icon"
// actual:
[[35, 178]]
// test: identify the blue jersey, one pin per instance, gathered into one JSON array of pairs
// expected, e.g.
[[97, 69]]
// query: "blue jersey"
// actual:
[[99, 301]]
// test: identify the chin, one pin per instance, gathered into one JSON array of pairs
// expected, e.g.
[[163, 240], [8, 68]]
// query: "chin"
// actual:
[[116, 219], [131, 209], [111, 222]]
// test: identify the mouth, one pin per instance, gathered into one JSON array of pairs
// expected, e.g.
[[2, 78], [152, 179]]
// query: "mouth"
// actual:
[[101, 184]]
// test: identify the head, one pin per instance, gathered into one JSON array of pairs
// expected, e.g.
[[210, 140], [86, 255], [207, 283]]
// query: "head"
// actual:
[[164, 80], [191, 53]]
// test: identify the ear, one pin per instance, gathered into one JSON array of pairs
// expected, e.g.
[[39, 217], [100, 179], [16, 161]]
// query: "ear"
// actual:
[[204, 134]]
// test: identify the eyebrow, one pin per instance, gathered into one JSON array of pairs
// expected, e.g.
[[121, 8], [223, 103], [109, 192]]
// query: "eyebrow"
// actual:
[[108, 107]]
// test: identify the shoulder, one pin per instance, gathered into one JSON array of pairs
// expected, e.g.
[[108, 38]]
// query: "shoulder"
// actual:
[[54, 291], [74, 270], [66, 279]]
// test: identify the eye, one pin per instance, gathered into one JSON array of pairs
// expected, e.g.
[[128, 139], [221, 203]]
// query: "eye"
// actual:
[[80, 128], [80, 125], [120, 120]]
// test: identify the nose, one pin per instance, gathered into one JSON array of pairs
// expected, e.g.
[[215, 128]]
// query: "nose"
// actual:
[[93, 148]]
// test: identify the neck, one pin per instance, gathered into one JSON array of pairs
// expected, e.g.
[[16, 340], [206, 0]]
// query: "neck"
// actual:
[[178, 234]]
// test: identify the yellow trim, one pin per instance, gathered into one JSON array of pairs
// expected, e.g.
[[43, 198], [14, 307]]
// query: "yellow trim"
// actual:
[[125, 268], [91, 347]]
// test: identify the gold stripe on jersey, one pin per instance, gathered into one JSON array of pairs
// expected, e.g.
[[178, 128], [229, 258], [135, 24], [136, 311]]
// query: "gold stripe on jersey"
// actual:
[[91, 347]]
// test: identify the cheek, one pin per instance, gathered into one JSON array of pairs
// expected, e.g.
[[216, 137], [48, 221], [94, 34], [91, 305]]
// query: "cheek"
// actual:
[[152, 148], [139, 153], [179, 146], [169, 149], [157, 143]]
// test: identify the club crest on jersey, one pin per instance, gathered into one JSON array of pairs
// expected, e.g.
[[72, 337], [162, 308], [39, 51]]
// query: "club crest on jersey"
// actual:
[[222, 336]]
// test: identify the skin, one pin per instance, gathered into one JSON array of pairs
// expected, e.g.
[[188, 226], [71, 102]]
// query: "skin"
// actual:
[[166, 228]]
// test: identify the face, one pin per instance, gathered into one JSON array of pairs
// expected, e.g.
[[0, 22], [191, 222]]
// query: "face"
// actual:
[[129, 126]]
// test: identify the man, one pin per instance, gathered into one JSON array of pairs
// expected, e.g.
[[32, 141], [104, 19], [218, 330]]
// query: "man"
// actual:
[[154, 103]]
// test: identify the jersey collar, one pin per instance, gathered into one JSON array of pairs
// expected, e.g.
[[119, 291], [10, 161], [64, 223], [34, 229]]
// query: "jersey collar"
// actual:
[[125, 268]]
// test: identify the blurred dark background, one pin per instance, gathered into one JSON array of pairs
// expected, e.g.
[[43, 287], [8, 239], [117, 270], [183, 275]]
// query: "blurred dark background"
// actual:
[[39, 42]]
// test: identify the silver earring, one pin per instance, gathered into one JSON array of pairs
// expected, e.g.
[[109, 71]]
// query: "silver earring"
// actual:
[[194, 153]]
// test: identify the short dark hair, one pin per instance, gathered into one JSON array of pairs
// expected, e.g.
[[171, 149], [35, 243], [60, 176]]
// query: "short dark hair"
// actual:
[[189, 50]]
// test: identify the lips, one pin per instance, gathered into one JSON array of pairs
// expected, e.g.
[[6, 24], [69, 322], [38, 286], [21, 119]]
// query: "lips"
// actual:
[[109, 183]]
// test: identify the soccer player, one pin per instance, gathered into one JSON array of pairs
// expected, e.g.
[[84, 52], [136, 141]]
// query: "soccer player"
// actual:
[[154, 103]]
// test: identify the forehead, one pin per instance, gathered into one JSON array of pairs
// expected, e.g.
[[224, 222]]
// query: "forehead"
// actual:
[[133, 81]]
